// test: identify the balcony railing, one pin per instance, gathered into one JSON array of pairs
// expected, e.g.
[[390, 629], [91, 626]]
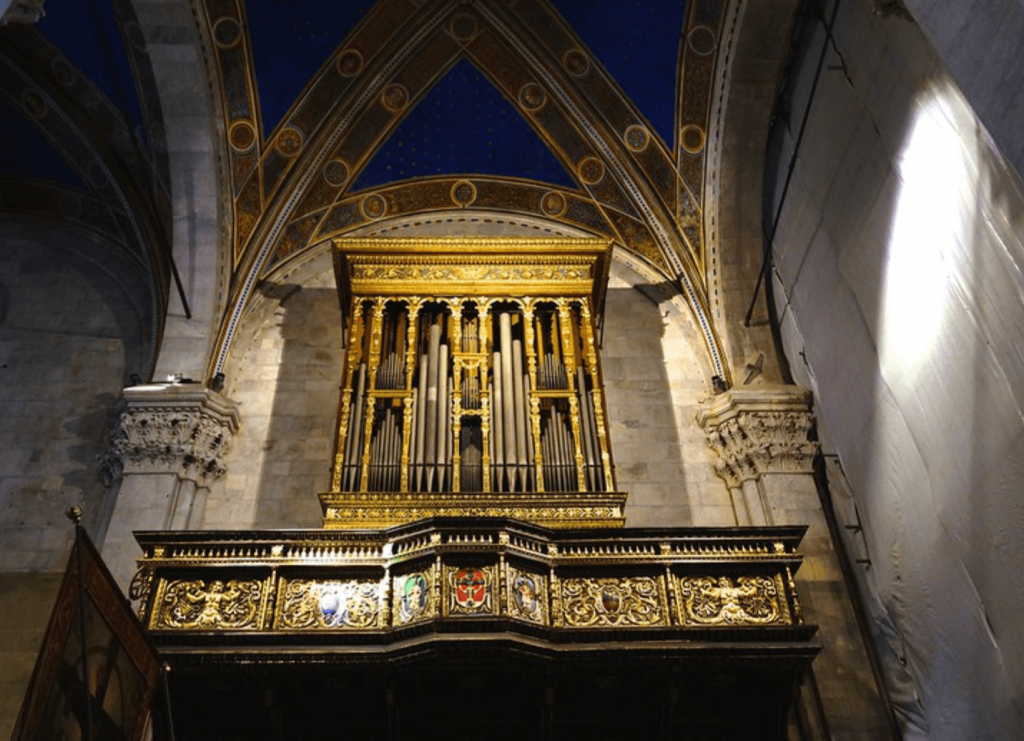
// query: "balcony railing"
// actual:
[[483, 576]]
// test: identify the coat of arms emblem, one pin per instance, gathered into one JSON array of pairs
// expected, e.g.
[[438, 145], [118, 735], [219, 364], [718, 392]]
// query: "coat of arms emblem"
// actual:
[[471, 589], [610, 600]]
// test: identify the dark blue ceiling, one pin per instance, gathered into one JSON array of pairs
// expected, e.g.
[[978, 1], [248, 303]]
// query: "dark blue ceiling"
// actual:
[[638, 43], [88, 33], [290, 41], [463, 125], [26, 153]]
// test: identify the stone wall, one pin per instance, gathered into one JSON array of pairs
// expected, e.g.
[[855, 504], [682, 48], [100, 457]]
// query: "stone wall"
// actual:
[[979, 43], [70, 336], [656, 376], [899, 264], [198, 184], [286, 383]]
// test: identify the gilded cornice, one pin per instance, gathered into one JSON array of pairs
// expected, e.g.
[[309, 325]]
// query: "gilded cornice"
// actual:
[[474, 267], [382, 509]]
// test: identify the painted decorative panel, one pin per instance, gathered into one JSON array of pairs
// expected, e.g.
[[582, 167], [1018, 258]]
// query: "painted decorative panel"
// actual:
[[527, 596], [470, 590], [413, 597], [309, 604]]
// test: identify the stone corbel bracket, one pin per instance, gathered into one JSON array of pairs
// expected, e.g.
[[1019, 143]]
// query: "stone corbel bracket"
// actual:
[[178, 428], [763, 431]]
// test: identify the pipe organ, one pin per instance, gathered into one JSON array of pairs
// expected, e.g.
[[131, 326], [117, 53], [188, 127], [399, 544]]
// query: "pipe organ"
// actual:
[[472, 383], [472, 424]]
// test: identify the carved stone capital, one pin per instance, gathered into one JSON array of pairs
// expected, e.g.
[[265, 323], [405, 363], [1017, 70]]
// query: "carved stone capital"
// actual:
[[21, 11], [754, 432], [184, 429]]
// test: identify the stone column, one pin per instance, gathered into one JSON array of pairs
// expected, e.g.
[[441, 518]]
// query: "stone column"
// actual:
[[765, 453], [762, 441], [167, 448]]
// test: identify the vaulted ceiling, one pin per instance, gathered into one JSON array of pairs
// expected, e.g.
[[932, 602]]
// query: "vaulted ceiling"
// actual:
[[338, 114]]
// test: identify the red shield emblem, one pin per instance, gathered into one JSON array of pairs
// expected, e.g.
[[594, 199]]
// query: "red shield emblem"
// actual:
[[470, 588]]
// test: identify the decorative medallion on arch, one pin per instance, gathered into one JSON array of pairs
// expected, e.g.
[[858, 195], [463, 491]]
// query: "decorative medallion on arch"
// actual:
[[426, 196], [472, 385], [386, 66]]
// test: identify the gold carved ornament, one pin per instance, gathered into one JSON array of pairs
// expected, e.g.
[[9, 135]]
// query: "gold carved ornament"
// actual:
[[384, 509], [307, 604], [139, 589], [470, 273], [749, 600], [613, 602], [219, 605]]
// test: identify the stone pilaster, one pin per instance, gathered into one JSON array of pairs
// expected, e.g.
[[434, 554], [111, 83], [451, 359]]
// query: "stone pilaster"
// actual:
[[168, 447], [764, 452]]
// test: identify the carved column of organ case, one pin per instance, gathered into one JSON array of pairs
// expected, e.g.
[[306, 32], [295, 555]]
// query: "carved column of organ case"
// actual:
[[472, 384]]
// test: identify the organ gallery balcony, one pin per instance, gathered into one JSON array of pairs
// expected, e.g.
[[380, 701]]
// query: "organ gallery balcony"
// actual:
[[473, 579], [405, 617]]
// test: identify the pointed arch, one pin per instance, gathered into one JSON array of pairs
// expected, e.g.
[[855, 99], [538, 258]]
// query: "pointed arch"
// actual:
[[531, 55], [93, 138]]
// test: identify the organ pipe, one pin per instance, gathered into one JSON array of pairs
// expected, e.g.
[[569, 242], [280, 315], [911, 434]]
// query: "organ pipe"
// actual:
[[421, 422], [353, 449], [430, 441], [591, 443], [497, 426], [417, 400], [441, 421], [508, 412], [519, 404]]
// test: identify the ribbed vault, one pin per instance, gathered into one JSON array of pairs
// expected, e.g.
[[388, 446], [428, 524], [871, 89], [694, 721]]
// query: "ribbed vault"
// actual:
[[291, 188]]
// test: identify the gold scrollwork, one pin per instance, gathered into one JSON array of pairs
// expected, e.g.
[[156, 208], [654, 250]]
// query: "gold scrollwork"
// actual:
[[386, 509], [219, 605], [317, 605], [621, 602], [527, 596], [139, 589], [749, 600]]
